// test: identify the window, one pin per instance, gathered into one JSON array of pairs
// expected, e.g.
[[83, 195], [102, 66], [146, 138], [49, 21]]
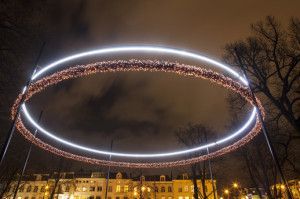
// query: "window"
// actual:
[[156, 189], [21, 189], [83, 188], [169, 189], [91, 197], [180, 197], [163, 197], [35, 189], [192, 188], [126, 188], [28, 188], [180, 189], [42, 189], [99, 188], [98, 197], [117, 197], [186, 197], [92, 188], [67, 188], [109, 188], [109, 197], [119, 176], [125, 197], [185, 176], [186, 188], [162, 178], [162, 189], [118, 188], [33, 197], [170, 197]]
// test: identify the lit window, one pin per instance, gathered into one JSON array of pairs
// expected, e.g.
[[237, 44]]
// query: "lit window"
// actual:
[[28, 188], [126, 189], [42, 189], [162, 189], [180, 197], [118, 188], [186, 197], [83, 188], [186, 188], [21, 189], [35, 189]]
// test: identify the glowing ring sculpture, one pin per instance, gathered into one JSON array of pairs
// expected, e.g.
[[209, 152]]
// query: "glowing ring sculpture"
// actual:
[[137, 65]]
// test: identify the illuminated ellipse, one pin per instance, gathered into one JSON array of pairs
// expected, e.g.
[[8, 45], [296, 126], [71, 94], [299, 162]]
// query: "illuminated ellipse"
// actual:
[[40, 82]]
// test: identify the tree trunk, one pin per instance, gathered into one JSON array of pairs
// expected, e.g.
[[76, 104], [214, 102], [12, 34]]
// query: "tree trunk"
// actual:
[[194, 179]]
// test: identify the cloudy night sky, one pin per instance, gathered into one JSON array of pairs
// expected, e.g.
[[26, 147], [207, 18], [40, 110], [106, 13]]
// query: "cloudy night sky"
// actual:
[[139, 111]]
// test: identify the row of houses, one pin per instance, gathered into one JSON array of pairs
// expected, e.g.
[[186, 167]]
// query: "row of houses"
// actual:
[[96, 186]]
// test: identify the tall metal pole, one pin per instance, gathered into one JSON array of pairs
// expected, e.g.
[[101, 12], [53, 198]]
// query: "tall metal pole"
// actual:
[[26, 161], [108, 172], [265, 132], [211, 176], [13, 125]]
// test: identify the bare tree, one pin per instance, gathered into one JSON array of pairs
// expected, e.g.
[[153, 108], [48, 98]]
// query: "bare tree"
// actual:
[[271, 58], [194, 135]]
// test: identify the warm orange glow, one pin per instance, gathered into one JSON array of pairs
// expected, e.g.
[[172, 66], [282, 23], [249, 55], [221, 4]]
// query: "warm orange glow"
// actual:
[[235, 185], [226, 191]]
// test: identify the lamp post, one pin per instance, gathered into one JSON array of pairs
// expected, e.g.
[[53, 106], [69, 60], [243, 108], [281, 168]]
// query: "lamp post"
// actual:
[[226, 192], [235, 187], [108, 171], [13, 125]]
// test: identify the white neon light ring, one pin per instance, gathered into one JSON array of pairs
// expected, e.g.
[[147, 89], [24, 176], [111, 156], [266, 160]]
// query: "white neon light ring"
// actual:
[[136, 65]]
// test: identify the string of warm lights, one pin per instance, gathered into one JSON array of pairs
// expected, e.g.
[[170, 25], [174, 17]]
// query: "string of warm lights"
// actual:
[[139, 65]]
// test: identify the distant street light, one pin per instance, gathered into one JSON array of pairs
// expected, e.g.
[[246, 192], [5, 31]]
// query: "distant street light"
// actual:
[[235, 185], [226, 192]]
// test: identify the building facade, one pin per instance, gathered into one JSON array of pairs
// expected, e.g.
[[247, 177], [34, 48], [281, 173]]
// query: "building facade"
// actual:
[[119, 186]]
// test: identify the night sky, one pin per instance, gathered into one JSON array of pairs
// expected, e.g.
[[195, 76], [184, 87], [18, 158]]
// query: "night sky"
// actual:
[[141, 111]]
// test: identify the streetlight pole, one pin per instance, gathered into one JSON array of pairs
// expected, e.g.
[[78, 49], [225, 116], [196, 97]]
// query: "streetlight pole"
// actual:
[[13, 125], [211, 176], [264, 129], [108, 172], [26, 161]]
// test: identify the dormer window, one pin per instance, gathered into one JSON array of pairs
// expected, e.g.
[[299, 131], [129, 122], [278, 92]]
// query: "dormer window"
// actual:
[[185, 176], [162, 178], [119, 175]]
